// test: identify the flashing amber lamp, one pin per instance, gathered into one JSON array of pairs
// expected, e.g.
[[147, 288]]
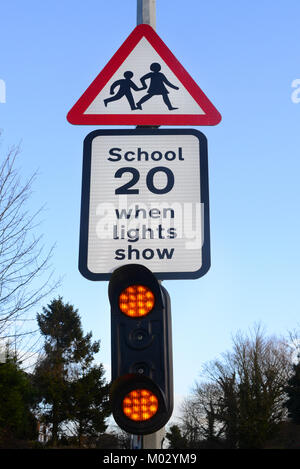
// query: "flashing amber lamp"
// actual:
[[136, 301], [140, 405]]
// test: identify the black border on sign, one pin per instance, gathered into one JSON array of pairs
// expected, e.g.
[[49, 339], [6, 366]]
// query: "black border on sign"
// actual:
[[85, 201]]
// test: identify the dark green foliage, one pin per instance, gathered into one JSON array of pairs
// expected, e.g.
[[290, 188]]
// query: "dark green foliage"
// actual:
[[16, 419], [64, 339], [293, 392], [89, 403], [176, 439]]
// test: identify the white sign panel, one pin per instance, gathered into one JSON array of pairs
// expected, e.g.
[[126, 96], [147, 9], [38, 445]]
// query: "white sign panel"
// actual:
[[145, 201]]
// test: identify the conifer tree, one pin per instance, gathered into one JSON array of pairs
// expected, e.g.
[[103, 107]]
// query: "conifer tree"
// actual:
[[72, 390]]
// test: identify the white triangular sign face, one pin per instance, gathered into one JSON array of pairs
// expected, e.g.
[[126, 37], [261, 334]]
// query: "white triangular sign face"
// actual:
[[138, 64], [144, 84]]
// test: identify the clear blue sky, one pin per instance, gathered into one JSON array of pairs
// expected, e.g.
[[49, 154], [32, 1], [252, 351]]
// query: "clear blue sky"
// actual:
[[244, 55]]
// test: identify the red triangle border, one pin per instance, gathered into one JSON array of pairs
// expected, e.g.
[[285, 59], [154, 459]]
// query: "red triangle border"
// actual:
[[76, 115]]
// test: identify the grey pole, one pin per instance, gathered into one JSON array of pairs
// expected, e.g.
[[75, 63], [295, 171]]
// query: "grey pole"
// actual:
[[146, 14]]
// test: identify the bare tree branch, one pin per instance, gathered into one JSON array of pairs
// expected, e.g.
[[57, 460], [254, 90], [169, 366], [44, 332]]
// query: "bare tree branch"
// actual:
[[25, 276]]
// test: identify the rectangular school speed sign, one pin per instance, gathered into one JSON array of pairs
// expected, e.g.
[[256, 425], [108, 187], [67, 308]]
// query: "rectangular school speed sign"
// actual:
[[145, 201]]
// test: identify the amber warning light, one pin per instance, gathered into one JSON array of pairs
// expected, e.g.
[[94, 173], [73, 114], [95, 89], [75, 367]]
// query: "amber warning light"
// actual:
[[136, 301], [140, 405]]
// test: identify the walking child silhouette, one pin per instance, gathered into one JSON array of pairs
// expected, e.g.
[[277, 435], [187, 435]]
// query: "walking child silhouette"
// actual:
[[156, 87], [125, 86]]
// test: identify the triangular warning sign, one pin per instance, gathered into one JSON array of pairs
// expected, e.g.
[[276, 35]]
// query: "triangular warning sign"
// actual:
[[143, 84]]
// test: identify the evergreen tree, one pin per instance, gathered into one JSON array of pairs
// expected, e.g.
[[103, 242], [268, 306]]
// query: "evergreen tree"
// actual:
[[176, 439], [89, 403], [16, 419], [293, 392], [70, 388]]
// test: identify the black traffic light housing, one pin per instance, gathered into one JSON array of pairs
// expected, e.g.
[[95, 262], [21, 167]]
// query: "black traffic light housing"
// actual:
[[141, 349]]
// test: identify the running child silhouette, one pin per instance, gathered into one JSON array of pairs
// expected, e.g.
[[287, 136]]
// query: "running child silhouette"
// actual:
[[125, 86], [156, 87]]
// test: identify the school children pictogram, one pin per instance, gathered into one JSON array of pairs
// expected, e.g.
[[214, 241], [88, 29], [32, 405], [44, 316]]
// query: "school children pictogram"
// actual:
[[156, 81]]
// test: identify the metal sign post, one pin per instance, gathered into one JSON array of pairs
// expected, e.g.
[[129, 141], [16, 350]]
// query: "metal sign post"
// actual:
[[146, 14]]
